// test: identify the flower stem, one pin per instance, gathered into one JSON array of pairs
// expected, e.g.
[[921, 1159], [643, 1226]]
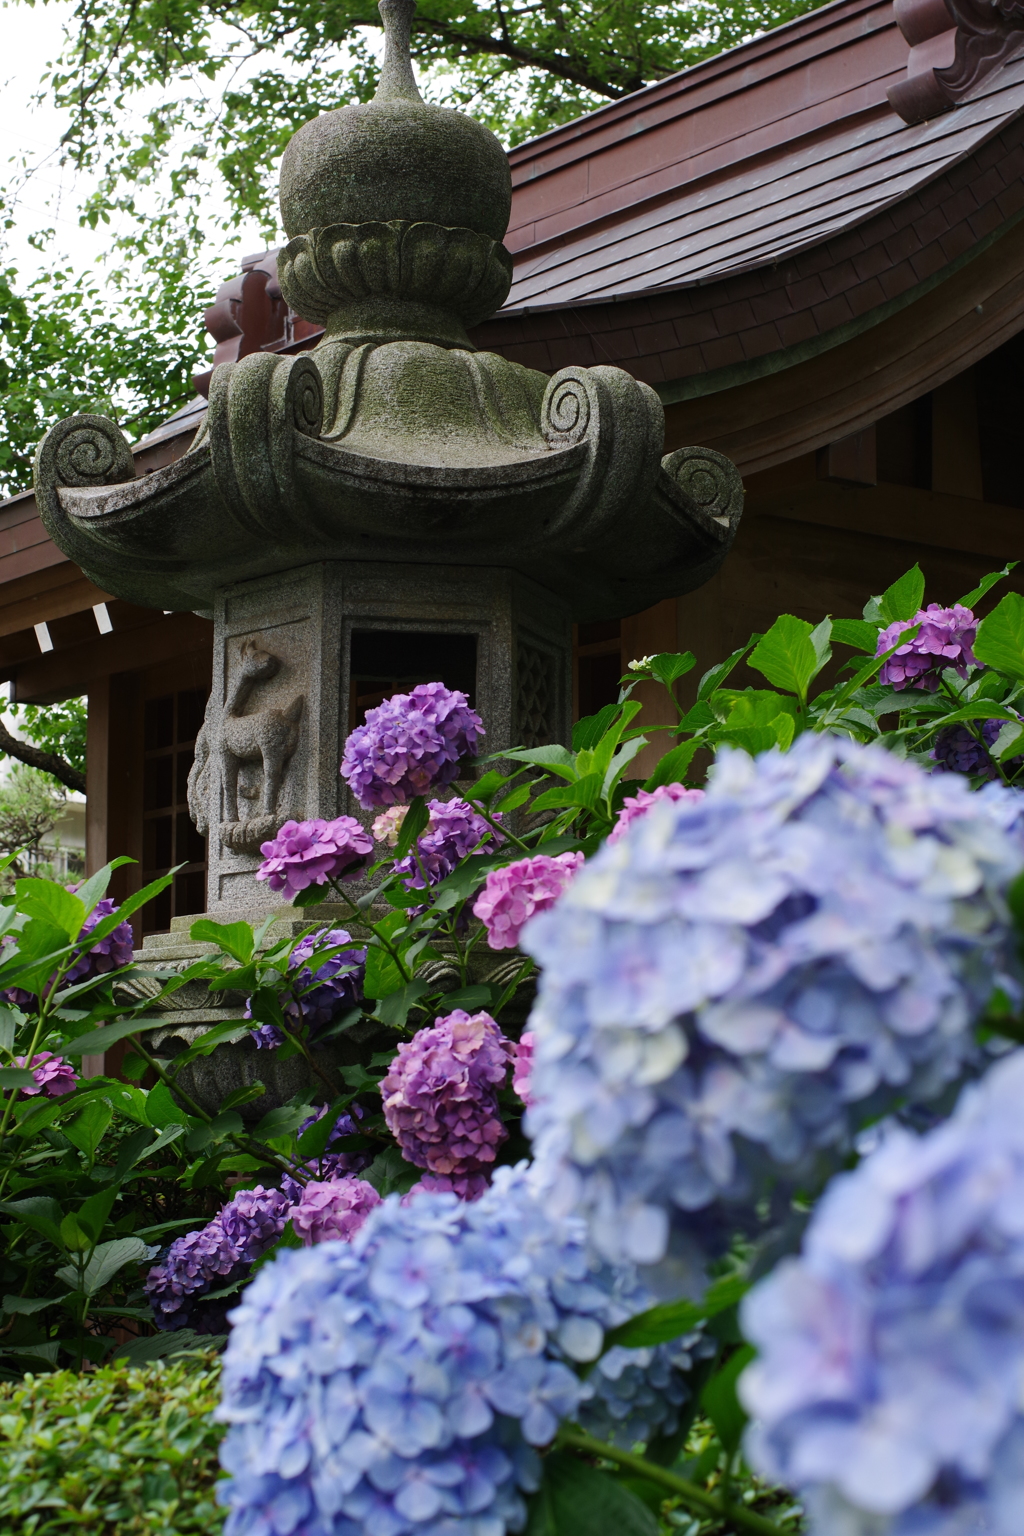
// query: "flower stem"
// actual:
[[381, 938], [744, 1519]]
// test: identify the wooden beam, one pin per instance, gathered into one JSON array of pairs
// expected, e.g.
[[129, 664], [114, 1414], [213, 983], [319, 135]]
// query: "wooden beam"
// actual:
[[63, 674]]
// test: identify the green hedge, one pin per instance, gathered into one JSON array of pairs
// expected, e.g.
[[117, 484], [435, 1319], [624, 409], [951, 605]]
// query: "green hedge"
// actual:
[[121, 1451]]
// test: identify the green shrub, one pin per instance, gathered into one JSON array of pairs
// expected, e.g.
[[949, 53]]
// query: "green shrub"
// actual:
[[119, 1451]]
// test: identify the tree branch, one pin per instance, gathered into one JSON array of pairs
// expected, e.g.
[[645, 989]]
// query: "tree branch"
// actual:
[[47, 762]]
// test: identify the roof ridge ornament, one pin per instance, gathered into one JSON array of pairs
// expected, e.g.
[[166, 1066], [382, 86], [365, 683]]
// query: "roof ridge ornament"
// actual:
[[954, 45]]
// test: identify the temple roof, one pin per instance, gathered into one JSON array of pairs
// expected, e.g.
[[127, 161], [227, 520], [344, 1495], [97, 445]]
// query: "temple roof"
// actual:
[[739, 163]]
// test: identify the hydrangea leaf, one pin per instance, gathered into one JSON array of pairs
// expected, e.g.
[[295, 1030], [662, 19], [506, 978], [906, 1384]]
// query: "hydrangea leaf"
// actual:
[[53, 903], [721, 1403], [857, 633], [986, 583], [236, 939], [673, 766], [714, 677], [898, 602], [576, 1497], [1000, 639], [586, 733], [668, 666], [787, 655]]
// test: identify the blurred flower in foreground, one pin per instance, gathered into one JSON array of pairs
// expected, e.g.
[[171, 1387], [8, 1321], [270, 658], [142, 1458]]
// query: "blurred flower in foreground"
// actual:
[[888, 1384], [399, 1384], [731, 990], [410, 744]]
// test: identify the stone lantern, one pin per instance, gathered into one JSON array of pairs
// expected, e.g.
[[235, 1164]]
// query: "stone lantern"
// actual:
[[394, 502]]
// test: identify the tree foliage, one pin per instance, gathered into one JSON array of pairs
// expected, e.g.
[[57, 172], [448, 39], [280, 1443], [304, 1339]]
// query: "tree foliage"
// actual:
[[228, 84]]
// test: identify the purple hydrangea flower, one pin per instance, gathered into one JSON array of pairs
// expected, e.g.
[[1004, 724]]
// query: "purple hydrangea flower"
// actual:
[[338, 985], [53, 1075], [312, 852], [332, 1165], [410, 744], [888, 1384], [454, 831], [107, 954], [398, 1383], [213, 1258], [737, 986], [514, 894], [332, 1210], [441, 1097], [522, 1066], [635, 806], [944, 640]]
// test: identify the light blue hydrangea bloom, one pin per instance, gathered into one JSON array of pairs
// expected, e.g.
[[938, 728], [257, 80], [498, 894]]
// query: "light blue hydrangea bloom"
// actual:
[[888, 1388], [635, 1395], [397, 1384], [731, 989]]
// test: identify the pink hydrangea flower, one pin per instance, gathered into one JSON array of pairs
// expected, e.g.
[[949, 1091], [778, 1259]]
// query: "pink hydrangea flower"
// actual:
[[441, 1098], [313, 852], [332, 1211], [388, 825], [944, 640], [635, 806], [522, 1066], [512, 895], [469, 1187], [53, 1074]]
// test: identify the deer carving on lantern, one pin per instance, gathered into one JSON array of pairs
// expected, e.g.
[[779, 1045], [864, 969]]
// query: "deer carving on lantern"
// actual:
[[267, 737]]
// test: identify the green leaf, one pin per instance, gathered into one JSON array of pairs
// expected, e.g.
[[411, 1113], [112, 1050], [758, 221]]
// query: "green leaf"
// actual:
[[389, 1173], [585, 792], [786, 655], [16, 1077], [721, 1403], [89, 1129], [586, 733], [575, 1499], [162, 1345], [10, 1018], [668, 666], [394, 1009], [487, 786], [985, 584], [312, 895], [104, 1264], [39, 1212], [671, 769], [415, 821], [163, 1110], [514, 799], [900, 601], [54, 904], [555, 759], [236, 939], [480, 995], [93, 1213], [132, 904], [661, 1324], [856, 632], [1008, 743], [99, 1040], [1000, 638], [74, 1237], [313, 1141], [26, 1305], [244, 1095], [95, 888], [282, 1121], [714, 677]]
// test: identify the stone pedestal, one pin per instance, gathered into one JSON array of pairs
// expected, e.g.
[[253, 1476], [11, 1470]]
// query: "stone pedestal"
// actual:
[[298, 656]]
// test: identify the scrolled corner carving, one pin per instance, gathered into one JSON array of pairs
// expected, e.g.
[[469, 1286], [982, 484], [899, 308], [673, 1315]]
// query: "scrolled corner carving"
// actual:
[[259, 406], [711, 485], [459, 270], [84, 451], [566, 409]]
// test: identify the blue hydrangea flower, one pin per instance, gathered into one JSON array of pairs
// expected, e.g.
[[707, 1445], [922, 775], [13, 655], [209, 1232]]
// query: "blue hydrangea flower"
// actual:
[[737, 985], [635, 1395], [399, 1383], [888, 1386]]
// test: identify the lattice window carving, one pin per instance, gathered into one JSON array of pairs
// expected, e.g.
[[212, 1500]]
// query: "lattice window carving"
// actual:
[[535, 701]]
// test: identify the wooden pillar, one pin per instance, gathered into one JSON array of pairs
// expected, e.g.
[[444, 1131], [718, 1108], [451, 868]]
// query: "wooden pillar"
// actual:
[[956, 447]]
